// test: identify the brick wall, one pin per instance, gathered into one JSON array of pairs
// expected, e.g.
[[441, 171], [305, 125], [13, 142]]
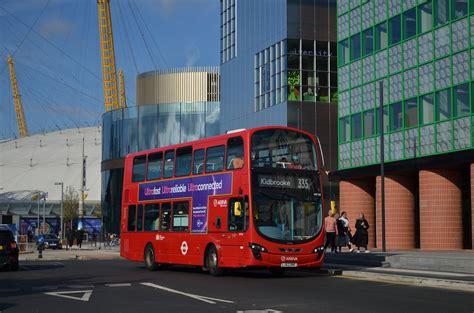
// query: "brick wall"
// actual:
[[358, 196], [399, 212], [440, 210]]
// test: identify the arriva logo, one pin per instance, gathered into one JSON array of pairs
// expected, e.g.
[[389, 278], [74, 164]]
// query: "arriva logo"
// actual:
[[289, 258], [220, 203]]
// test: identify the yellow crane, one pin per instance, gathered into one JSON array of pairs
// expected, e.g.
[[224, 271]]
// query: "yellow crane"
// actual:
[[20, 115], [109, 72], [123, 100]]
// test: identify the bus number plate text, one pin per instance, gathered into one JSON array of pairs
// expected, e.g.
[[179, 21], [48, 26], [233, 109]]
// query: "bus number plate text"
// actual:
[[289, 264]]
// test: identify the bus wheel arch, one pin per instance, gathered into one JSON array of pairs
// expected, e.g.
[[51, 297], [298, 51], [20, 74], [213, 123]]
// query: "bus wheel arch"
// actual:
[[149, 257], [211, 260]]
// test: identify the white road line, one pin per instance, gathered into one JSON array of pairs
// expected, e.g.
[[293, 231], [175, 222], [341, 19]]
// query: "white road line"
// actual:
[[197, 297], [86, 294], [119, 285]]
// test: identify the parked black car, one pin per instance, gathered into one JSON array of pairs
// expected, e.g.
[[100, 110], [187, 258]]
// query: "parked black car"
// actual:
[[8, 249], [49, 241]]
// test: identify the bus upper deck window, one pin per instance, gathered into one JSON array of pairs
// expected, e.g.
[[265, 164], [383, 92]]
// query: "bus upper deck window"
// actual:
[[155, 166], [183, 161], [215, 159], [198, 162], [235, 153], [139, 168], [169, 164]]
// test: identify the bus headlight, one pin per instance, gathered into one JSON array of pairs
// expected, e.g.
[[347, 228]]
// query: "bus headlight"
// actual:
[[319, 249], [256, 250], [257, 247]]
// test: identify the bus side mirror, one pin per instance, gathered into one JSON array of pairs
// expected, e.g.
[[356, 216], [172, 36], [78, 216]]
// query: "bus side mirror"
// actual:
[[237, 209]]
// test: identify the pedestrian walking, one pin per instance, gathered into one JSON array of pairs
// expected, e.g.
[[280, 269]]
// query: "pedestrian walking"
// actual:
[[79, 235], [344, 232], [69, 238], [330, 224], [94, 238], [340, 238], [361, 237]]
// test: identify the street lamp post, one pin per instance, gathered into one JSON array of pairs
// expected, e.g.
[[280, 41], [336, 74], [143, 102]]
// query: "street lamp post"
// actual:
[[382, 167], [38, 211], [62, 208], [44, 214]]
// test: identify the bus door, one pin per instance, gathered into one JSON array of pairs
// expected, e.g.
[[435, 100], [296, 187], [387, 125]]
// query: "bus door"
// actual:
[[178, 244], [237, 224]]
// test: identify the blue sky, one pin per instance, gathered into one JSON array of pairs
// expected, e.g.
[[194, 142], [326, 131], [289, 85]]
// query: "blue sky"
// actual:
[[57, 53]]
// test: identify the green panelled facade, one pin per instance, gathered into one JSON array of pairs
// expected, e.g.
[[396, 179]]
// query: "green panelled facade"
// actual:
[[423, 51]]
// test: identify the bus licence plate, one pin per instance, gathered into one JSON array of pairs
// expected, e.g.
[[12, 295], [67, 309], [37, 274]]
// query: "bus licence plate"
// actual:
[[289, 264]]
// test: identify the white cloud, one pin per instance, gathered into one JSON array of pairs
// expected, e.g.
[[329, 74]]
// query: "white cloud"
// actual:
[[193, 54]]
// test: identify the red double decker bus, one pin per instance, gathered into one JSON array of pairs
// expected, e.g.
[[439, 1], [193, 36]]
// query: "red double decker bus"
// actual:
[[250, 198]]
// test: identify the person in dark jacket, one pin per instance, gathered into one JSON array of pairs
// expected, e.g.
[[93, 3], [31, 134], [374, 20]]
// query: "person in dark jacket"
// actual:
[[69, 238], [361, 237], [79, 235], [342, 238]]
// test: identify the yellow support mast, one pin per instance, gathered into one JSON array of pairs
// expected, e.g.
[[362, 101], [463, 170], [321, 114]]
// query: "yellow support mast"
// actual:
[[20, 115], [123, 100], [109, 72]]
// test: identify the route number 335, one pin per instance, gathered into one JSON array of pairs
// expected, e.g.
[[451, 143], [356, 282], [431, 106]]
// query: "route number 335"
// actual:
[[303, 183]]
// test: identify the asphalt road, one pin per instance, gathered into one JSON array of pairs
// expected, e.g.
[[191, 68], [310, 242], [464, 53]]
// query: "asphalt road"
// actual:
[[122, 286]]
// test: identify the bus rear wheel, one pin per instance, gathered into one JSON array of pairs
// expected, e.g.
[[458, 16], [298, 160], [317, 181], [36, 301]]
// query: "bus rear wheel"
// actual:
[[149, 257], [212, 262]]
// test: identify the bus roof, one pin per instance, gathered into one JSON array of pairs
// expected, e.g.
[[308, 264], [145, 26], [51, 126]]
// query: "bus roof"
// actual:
[[234, 133]]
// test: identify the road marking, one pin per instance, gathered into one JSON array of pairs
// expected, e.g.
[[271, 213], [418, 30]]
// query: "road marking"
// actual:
[[197, 297], [119, 285], [86, 294]]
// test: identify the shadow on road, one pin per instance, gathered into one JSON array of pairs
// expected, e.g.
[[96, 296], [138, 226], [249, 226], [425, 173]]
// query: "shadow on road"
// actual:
[[259, 273]]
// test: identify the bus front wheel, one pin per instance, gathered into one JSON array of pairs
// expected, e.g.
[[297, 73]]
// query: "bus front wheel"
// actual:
[[150, 262], [212, 262]]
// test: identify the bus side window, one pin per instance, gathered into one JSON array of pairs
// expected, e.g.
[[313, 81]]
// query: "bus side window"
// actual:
[[152, 217], [169, 164], [139, 168], [180, 216], [140, 218], [155, 166], [132, 218], [165, 217], [235, 153], [215, 159], [183, 161], [198, 162]]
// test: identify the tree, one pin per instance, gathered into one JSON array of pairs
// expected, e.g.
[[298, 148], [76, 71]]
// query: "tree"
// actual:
[[71, 205]]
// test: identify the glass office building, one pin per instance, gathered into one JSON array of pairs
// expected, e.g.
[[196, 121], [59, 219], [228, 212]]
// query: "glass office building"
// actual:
[[278, 67], [416, 57], [154, 123]]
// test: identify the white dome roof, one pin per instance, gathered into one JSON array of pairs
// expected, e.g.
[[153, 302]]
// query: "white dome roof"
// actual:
[[38, 161]]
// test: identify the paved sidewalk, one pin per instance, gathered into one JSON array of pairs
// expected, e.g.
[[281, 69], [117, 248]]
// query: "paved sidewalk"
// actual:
[[440, 269], [74, 254]]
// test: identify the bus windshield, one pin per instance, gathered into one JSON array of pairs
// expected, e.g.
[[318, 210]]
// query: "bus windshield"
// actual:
[[286, 217], [281, 148]]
